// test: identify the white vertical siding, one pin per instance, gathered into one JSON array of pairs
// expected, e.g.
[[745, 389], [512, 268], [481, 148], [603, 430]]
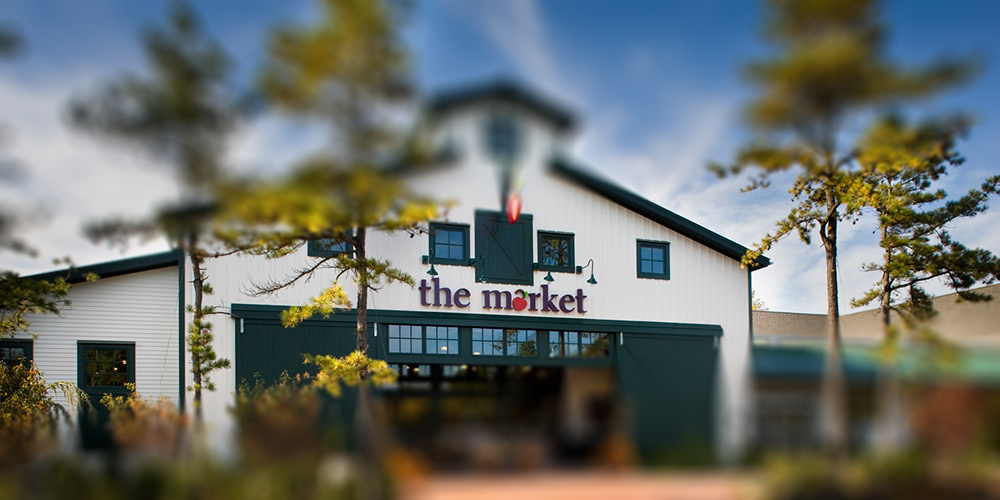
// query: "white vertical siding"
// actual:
[[140, 308], [705, 287]]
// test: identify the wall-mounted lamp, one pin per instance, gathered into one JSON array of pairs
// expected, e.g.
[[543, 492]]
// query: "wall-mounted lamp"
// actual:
[[481, 263], [430, 271], [548, 277], [590, 264]]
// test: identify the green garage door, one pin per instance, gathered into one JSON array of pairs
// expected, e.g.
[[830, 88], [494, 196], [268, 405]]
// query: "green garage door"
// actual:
[[265, 349], [668, 387]]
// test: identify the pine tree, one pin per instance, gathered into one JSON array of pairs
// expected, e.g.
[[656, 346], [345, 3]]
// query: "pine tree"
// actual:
[[829, 72], [900, 164], [180, 113], [20, 297], [348, 71]]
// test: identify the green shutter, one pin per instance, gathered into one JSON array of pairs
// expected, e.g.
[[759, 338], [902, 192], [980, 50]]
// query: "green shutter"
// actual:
[[503, 251]]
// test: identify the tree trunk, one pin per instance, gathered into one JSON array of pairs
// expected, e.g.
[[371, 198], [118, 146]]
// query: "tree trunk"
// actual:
[[834, 409], [362, 309], [890, 387], [198, 281]]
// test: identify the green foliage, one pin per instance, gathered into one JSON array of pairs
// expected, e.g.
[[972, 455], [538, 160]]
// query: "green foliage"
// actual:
[[138, 425], [196, 479], [345, 69], [179, 112], [28, 414], [279, 421], [350, 370], [20, 297], [900, 476], [348, 70], [828, 74], [204, 360], [900, 163]]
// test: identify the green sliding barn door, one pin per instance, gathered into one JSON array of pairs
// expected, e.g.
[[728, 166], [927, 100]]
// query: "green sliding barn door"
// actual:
[[667, 385]]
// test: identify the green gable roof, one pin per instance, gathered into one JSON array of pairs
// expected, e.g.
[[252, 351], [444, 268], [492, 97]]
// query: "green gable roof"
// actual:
[[501, 91], [653, 212], [115, 268]]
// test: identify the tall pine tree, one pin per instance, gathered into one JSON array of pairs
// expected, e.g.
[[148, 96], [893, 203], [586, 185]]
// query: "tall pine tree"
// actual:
[[181, 113], [828, 72]]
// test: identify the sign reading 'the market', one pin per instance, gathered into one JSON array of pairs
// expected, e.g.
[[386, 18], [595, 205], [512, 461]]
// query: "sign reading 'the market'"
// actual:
[[518, 300]]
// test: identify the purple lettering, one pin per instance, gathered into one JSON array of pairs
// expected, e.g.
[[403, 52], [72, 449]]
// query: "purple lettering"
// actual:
[[497, 294], [566, 299], [462, 293], [534, 297], [579, 301], [437, 293], [423, 293], [548, 303]]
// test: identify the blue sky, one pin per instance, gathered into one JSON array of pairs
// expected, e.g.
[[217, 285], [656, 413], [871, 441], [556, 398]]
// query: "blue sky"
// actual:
[[656, 87]]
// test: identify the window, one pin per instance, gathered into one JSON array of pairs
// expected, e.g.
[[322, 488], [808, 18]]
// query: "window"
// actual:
[[107, 367], [579, 345], [442, 340], [502, 138], [13, 352], [503, 342], [406, 339], [328, 247], [555, 252], [653, 259], [416, 339], [103, 366], [449, 243]]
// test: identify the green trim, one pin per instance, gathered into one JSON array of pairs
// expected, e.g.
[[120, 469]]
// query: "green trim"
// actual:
[[571, 267], [115, 267], [662, 245], [449, 226], [81, 364], [445, 103], [654, 212], [181, 330], [272, 312]]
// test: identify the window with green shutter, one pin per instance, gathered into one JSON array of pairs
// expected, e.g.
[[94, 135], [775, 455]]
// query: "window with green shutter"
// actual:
[[503, 250]]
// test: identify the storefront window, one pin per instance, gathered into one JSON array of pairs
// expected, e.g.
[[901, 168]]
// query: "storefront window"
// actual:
[[416, 339], [579, 344], [442, 340], [406, 339], [501, 342]]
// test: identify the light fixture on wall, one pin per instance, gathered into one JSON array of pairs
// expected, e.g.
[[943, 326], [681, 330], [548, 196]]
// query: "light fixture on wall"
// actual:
[[481, 263], [548, 277], [590, 264], [430, 271]]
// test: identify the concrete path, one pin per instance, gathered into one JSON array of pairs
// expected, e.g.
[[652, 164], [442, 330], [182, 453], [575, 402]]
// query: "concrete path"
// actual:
[[584, 486]]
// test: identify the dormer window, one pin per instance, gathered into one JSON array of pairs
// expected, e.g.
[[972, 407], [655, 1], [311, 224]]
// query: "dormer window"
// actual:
[[503, 138]]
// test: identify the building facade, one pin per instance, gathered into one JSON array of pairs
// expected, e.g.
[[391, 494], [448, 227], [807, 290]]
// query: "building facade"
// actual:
[[596, 311]]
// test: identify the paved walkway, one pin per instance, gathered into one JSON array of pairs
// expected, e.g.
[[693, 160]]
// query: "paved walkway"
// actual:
[[584, 486]]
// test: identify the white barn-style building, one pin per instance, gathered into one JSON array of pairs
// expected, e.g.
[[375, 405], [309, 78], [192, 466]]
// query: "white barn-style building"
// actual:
[[596, 311]]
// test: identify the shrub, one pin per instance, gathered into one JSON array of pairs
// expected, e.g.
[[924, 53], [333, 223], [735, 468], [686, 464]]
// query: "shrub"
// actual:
[[28, 414], [151, 428]]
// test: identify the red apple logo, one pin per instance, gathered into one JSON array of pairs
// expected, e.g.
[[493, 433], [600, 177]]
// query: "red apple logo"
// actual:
[[513, 208], [519, 302]]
